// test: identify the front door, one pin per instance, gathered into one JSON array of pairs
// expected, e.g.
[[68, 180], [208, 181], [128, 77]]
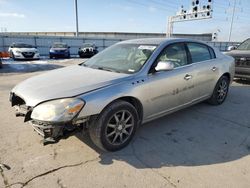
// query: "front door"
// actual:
[[168, 90]]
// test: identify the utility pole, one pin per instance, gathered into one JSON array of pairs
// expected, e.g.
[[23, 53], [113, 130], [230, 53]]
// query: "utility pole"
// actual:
[[232, 22], [76, 11]]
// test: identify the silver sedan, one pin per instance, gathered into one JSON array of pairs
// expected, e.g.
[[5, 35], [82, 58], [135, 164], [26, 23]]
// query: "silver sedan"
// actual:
[[127, 84]]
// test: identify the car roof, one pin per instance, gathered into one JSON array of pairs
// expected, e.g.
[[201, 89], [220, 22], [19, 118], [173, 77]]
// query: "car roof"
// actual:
[[155, 41], [88, 43], [158, 41]]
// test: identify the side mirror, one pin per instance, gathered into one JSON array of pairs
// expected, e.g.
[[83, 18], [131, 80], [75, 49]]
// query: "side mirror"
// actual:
[[164, 66], [231, 48], [11, 46], [68, 46]]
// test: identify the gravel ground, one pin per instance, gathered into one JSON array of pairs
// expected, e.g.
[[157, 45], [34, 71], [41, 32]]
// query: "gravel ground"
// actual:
[[201, 146]]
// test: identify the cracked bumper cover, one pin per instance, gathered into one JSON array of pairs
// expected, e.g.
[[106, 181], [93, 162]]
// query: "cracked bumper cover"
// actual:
[[50, 132]]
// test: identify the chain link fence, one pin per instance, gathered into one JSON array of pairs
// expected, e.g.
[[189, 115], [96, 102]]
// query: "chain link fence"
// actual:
[[43, 43]]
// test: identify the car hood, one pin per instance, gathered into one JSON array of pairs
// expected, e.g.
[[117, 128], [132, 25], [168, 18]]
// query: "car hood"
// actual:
[[25, 49], [239, 53], [65, 82]]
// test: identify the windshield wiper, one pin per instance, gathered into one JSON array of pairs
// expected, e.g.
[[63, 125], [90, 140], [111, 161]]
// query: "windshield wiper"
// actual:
[[108, 69]]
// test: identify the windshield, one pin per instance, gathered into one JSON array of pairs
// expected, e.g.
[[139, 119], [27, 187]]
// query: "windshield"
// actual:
[[59, 45], [124, 58], [245, 45], [21, 45]]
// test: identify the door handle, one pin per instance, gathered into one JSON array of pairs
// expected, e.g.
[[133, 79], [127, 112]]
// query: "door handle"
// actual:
[[214, 69], [188, 77]]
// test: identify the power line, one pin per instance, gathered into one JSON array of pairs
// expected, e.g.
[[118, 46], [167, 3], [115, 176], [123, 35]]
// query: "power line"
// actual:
[[164, 4], [148, 6], [232, 21]]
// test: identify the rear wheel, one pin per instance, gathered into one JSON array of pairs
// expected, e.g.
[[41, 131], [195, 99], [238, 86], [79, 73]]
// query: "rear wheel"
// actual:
[[220, 91], [114, 128]]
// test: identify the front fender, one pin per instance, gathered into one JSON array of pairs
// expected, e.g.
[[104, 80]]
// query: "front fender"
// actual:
[[97, 100]]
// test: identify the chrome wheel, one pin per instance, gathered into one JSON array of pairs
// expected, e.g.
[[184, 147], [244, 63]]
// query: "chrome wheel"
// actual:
[[120, 127], [222, 90]]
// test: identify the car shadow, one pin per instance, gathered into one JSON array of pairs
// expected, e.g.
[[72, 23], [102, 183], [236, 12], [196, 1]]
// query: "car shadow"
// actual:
[[196, 136], [19, 67]]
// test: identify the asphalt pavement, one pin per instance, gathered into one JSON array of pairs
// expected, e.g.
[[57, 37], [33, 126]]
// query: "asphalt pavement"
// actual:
[[201, 146]]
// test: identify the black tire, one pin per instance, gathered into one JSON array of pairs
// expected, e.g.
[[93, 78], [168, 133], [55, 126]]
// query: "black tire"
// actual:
[[51, 57], [103, 135], [220, 91]]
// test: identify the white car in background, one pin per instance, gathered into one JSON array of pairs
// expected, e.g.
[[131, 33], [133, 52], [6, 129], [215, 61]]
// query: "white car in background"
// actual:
[[23, 51]]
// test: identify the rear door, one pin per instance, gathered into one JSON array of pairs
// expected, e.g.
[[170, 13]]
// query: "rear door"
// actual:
[[206, 69]]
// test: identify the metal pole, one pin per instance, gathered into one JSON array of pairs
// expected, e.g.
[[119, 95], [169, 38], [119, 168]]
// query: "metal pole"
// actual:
[[232, 21], [170, 27], [76, 10]]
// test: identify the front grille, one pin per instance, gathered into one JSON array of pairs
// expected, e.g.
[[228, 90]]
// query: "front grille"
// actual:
[[16, 100], [59, 51], [28, 54], [242, 62]]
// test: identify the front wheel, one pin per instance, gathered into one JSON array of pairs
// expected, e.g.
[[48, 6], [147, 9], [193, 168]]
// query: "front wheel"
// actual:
[[114, 128], [220, 91]]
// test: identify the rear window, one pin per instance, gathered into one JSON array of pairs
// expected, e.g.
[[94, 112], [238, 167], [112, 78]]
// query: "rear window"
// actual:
[[59, 45], [199, 52], [245, 45]]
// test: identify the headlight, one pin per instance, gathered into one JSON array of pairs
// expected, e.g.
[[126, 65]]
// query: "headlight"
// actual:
[[52, 50], [61, 110], [18, 52]]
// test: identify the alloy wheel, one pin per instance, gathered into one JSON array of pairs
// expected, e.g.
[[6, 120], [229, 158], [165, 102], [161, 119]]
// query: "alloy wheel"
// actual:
[[222, 90], [120, 127]]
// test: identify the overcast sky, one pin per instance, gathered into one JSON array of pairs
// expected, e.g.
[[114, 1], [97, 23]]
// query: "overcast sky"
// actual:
[[121, 16]]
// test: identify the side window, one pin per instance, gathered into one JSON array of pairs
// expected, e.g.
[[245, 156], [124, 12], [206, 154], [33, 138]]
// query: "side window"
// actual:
[[199, 52], [213, 56], [175, 53]]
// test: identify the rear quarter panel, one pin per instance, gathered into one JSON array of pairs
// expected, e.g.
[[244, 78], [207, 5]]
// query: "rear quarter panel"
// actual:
[[226, 64]]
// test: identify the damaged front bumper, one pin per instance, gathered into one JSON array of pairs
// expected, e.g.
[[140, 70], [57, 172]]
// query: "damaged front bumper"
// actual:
[[50, 131]]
